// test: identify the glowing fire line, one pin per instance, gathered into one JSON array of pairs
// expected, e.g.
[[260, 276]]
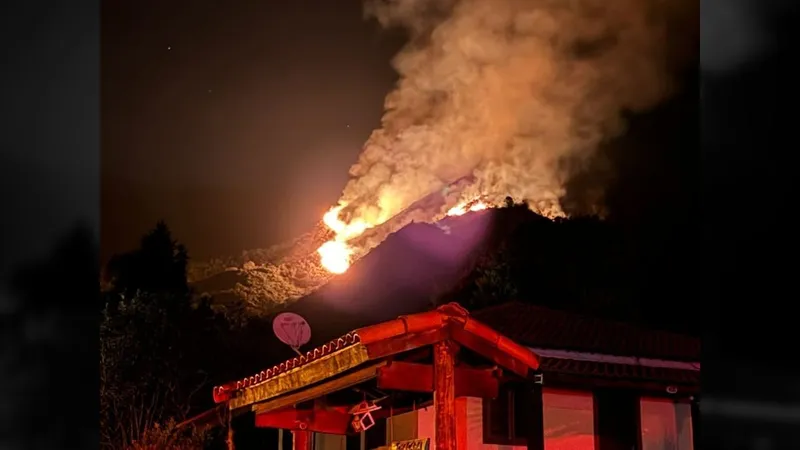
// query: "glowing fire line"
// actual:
[[463, 208], [336, 254]]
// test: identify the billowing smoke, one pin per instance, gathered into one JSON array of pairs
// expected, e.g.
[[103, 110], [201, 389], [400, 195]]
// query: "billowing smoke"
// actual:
[[511, 92]]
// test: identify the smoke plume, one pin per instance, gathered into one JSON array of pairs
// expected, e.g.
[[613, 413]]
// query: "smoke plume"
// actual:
[[512, 93]]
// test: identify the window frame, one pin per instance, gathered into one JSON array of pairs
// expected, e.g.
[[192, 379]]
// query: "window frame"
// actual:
[[673, 400], [511, 439]]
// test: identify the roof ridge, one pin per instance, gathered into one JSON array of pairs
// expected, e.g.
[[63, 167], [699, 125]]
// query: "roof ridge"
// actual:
[[498, 307], [585, 316]]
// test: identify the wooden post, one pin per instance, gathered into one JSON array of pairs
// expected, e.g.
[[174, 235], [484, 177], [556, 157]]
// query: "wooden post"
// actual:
[[444, 394], [535, 417], [698, 443], [302, 440]]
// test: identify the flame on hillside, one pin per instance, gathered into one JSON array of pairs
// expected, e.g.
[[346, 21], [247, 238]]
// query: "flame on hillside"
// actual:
[[463, 208], [336, 255]]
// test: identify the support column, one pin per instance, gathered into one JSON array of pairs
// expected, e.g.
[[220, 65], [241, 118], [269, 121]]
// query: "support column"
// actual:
[[444, 394], [302, 440], [535, 417], [696, 422]]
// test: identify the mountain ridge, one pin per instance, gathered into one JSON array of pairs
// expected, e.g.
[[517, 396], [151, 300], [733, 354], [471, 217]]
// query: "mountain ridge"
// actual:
[[447, 249]]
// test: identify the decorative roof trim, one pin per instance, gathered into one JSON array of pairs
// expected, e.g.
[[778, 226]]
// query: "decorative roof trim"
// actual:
[[320, 369], [224, 392]]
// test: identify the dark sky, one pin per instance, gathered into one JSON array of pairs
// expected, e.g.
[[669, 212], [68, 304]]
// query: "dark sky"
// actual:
[[237, 121], [234, 121]]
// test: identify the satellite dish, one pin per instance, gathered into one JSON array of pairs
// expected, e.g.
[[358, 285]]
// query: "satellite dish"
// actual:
[[292, 329]]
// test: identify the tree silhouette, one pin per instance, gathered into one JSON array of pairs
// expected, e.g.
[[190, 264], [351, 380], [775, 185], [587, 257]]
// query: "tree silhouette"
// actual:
[[158, 265], [493, 281], [159, 345]]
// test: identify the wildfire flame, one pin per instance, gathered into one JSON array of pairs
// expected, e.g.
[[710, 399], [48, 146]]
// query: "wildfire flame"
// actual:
[[336, 254], [463, 208], [344, 231]]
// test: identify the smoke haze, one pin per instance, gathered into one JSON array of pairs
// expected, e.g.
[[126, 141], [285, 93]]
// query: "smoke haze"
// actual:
[[516, 93]]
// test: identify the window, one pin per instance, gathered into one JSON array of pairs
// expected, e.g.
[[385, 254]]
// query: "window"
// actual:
[[568, 419], [502, 416], [665, 424]]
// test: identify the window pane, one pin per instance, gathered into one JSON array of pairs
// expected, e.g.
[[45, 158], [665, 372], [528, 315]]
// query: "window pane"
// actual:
[[498, 416], [522, 412], [666, 425], [568, 420]]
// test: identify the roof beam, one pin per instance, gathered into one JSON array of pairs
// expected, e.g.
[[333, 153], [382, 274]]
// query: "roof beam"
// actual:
[[413, 377]]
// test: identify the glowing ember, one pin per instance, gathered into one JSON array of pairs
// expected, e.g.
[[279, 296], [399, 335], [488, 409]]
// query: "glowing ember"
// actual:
[[463, 208], [335, 256]]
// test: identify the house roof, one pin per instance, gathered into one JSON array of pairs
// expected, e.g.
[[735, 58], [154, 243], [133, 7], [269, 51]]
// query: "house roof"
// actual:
[[222, 393], [377, 342], [544, 328], [576, 371], [540, 327]]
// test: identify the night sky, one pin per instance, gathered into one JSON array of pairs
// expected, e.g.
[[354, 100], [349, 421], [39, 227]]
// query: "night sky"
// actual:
[[236, 122]]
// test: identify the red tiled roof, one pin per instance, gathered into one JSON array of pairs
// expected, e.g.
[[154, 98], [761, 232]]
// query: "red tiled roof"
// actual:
[[222, 392], [541, 327]]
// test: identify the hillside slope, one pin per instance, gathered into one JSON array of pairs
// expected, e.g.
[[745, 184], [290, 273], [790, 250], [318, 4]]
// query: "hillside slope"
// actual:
[[263, 279], [407, 270], [484, 257]]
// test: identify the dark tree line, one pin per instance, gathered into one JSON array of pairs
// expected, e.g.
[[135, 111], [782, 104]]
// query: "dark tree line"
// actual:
[[153, 335], [163, 347]]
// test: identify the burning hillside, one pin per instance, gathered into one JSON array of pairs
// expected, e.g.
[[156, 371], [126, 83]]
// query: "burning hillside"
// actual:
[[510, 94], [352, 240], [495, 98], [266, 278], [507, 97], [407, 269]]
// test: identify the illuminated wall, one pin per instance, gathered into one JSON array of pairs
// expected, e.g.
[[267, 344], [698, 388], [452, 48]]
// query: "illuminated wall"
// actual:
[[568, 424], [324, 441]]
